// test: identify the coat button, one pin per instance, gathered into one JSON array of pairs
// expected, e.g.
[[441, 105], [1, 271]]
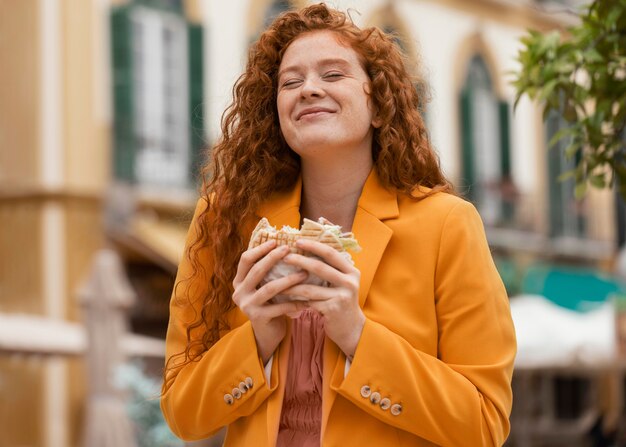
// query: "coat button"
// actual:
[[385, 403], [236, 393], [375, 397], [243, 387], [249, 382], [366, 391], [228, 398], [396, 409]]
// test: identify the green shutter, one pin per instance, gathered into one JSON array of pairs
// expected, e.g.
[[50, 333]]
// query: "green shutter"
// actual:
[[123, 129], [505, 139], [508, 210], [196, 105], [554, 170], [564, 218], [580, 218], [467, 145]]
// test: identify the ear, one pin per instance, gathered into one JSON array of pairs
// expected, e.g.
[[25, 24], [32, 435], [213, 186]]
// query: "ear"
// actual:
[[376, 120]]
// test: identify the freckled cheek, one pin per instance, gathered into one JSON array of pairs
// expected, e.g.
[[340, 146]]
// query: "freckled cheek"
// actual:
[[283, 117], [285, 102], [287, 128]]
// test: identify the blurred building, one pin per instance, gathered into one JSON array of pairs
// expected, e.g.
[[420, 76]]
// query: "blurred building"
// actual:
[[100, 117], [106, 105]]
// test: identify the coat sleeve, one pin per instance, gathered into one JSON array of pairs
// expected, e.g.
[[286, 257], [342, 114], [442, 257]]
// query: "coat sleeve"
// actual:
[[461, 397], [194, 403]]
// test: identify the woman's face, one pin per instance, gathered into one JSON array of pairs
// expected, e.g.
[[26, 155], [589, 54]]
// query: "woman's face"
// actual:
[[323, 104]]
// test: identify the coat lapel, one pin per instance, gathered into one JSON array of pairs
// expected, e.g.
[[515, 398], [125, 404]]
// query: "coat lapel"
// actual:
[[373, 236], [275, 402], [375, 205]]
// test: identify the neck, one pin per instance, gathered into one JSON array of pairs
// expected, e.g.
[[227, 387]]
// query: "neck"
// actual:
[[333, 191]]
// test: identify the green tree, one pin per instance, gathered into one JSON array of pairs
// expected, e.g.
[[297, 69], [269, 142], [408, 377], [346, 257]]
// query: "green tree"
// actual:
[[581, 74]]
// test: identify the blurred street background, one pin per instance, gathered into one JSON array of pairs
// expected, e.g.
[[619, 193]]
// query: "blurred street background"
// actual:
[[106, 109]]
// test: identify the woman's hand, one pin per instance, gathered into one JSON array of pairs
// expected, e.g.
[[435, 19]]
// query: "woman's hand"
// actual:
[[268, 319], [338, 303]]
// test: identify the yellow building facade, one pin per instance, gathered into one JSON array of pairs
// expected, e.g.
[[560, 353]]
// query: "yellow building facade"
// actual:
[[56, 133]]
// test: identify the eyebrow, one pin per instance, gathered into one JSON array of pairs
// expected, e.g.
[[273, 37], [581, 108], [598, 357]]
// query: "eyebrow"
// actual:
[[323, 62]]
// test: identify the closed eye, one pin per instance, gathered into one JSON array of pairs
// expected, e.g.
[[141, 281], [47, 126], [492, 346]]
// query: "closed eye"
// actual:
[[291, 83], [333, 75]]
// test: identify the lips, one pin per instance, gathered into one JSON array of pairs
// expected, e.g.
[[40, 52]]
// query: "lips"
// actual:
[[311, 111]]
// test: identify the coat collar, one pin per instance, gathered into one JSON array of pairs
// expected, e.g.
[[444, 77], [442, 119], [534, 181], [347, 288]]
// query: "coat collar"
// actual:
[[375, 199]]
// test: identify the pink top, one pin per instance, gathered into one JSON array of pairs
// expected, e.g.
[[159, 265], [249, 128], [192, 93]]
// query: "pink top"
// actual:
[[301, 417]]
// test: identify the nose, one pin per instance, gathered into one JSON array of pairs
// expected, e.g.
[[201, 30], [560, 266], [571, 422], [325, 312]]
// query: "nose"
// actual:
[[312, 88]]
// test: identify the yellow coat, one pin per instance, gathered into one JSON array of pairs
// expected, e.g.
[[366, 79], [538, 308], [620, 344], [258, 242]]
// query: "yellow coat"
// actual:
[[438, 339]]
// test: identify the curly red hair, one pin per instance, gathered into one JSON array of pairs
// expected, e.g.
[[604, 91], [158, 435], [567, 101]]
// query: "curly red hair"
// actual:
[[252, 161]]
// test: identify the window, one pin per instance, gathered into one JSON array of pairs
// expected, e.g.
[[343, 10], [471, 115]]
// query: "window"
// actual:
[[157, 61], [160, 89], [567, 218], [485, 146]]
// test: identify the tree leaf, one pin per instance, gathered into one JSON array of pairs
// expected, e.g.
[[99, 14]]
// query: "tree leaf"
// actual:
[[580, 190], [548, 89], [598, 181], [581, 75], [612, 17], [592, 56], [569, 113], [571, 150], [560, 134], [566, 175]]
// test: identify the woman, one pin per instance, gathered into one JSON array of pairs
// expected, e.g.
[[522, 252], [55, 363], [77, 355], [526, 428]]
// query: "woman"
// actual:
[[413, 343]]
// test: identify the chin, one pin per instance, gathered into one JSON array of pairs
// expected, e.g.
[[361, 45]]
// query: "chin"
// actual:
[[313, 149]]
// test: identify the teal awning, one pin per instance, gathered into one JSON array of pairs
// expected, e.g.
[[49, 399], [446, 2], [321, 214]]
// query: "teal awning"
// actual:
[[574, 288]]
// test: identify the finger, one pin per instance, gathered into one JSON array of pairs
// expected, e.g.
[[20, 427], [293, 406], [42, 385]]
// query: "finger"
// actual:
[[311, 292], [328, 254], [263, 266], [321, 306], [317, 267], [277, 286], [253, 302], [250, 257], [276, 310]]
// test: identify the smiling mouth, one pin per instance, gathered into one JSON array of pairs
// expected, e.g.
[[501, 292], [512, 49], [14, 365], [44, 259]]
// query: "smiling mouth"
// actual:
[[313, 113]]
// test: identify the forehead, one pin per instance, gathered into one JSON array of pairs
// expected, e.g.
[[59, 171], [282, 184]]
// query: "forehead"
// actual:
[[316, 46]]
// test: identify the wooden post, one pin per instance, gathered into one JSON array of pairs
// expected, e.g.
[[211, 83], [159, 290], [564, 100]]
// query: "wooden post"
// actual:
[[106, 297]]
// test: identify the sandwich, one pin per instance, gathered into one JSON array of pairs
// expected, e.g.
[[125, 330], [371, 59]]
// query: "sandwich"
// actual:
[[322, 231]]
